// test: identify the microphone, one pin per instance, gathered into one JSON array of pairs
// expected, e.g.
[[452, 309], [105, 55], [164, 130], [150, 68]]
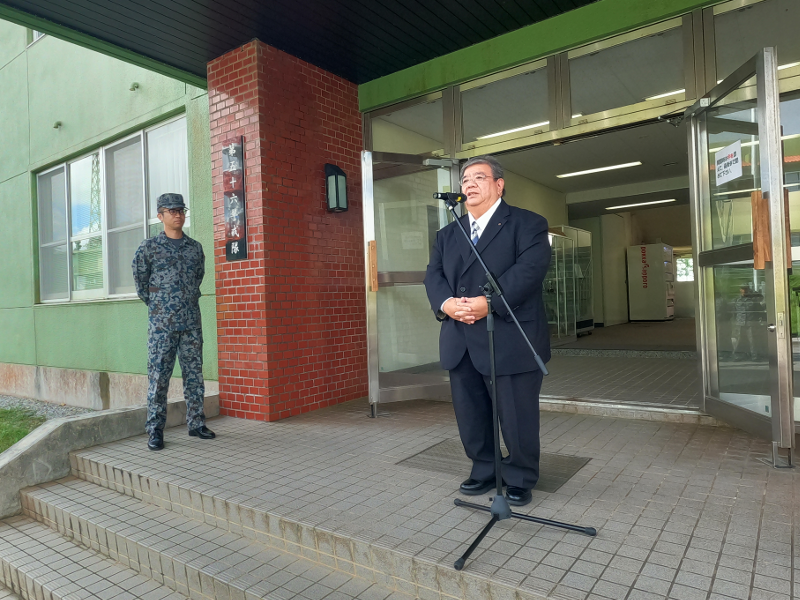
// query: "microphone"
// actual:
[[455, 197]]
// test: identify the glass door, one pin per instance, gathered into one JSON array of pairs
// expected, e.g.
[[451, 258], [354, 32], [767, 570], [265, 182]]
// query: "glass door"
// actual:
[[741, 249], [401, 219]]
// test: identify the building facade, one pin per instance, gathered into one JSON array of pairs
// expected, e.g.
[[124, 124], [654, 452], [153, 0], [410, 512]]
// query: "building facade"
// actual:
[[317, 314], [90, 143]]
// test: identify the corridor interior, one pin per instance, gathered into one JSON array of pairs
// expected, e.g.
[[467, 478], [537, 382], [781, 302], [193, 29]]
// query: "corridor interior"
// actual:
[[619, 357], [635, 193]]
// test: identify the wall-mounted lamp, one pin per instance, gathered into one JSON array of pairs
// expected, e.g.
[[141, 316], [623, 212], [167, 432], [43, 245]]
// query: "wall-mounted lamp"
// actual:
[[335, 188], [57, 125], [134, 86]]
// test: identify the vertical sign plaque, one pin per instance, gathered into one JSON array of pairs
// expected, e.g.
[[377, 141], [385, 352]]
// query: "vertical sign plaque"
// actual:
[[235, 208]]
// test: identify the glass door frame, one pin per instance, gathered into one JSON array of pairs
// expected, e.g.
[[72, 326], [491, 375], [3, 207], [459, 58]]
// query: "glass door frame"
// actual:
[[374, 279], [779, 426]]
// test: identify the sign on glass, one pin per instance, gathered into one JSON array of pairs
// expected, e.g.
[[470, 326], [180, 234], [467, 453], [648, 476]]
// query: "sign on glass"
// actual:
[[729, 163]]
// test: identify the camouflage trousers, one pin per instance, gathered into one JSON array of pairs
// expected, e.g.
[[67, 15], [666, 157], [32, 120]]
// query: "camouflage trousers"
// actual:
[[162, 348]]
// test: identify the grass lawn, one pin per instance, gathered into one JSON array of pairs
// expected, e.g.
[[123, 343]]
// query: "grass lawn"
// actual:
[[15, 424]]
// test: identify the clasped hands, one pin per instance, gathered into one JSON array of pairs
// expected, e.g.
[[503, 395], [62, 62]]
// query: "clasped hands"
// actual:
[[466, 310]]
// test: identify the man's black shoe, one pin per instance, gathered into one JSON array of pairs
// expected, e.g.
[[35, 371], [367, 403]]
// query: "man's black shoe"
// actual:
[[203, 432], [518, 496], [156, 441], [474, 487]]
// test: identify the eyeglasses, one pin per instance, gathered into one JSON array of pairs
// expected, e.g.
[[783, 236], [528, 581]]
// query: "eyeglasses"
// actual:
[[176, 211], [478, 179]]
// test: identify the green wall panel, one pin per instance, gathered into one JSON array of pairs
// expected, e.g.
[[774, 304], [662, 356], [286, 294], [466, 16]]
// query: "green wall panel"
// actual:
[[16, 244], [577, 27], [51, 81], [208, 310], [16, 328], [89, 93], [14, 119], [107, 336], [13, 40], [202, 208], [98, 336]]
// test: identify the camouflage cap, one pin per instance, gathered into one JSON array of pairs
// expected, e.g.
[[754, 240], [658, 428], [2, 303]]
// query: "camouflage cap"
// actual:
[[170, 201]]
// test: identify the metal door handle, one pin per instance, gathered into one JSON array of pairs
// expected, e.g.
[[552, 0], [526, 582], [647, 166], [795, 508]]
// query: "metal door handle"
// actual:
[[771, 328]]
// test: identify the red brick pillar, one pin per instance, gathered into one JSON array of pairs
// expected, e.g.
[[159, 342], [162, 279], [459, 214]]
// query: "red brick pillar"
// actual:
[[291, 318]]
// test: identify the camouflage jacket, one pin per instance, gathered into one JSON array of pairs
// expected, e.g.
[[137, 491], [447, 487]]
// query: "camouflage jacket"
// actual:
[[167, 277]]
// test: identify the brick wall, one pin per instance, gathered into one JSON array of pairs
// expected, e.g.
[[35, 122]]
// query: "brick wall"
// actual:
[[291, 318]]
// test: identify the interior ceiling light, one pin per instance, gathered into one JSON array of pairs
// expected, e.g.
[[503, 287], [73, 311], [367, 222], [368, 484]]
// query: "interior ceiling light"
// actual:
[[640, 204], [793, 136], [787, 185], [744, 144], [499, 133], [665, 95], [610, 168], [576, 115], [735, 192], [788, 66]]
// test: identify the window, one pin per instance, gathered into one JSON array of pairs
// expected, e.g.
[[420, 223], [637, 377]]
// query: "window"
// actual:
[[513, 104], [741, 29], [685, 268], [647, 66], [415, 129], [95, 211]]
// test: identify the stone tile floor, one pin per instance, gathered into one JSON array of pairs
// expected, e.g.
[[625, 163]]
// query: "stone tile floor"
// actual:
[[6, 594], [664, 381], [602, 376], [683, 511], [678, 334]]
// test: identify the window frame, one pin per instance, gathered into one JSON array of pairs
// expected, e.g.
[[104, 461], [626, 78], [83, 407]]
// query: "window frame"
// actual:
[[444, 96], [685, 257], [145, 224], [149, 221], [64, 242], [711, 14], [541, 64], [674, 102], [101, 292]]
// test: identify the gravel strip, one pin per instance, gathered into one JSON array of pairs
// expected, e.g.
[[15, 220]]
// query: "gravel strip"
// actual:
[[47, 410]]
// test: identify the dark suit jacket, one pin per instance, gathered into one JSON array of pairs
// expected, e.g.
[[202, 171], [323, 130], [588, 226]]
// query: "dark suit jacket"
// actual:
[[516, 249]]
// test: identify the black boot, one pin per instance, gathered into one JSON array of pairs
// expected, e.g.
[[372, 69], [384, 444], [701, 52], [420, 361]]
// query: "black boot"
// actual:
[[203, 432], [156, 441]]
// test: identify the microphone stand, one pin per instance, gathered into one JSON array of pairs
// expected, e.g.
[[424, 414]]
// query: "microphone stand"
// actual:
[[500, 509]]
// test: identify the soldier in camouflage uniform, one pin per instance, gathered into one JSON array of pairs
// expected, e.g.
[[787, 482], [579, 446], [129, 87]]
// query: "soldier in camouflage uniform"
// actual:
[[168, 270]]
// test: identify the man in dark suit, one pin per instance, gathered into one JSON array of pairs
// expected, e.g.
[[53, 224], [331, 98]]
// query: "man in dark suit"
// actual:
[[515, 246]]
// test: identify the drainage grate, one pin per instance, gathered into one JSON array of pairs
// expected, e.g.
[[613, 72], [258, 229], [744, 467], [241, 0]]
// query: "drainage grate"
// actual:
[[448, 457]]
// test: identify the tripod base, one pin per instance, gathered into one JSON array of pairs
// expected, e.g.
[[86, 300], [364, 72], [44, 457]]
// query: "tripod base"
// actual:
[[459, 564]]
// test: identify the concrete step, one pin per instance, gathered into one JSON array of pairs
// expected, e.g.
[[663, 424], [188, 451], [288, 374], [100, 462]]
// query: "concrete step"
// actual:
[[392, 568], [191, 557], [7, 594], [37, 563]]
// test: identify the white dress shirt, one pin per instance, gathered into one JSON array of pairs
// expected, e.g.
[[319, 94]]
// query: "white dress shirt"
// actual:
[[483, 220]]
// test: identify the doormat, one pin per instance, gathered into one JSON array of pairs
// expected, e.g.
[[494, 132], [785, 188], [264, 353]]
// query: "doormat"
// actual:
[[448, 457]]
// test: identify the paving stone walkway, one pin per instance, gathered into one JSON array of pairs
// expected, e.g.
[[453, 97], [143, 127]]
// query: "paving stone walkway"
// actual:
[[683, 511]]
